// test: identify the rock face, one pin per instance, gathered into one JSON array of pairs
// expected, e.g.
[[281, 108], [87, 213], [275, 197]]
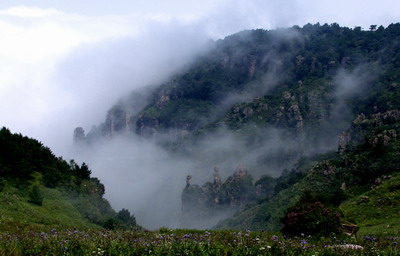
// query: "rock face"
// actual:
[[363, 125], [220, 198], [79, 135]]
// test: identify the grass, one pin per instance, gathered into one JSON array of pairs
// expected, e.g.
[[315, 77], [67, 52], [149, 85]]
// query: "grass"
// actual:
[[377, 211], [186, 242], [16, 213]]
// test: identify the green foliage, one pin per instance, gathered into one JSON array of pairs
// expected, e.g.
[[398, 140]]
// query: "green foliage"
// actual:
[[35, 195], [265, 186], [21, 157], [26, 165], [376, 211], [125, 219], [186, 242], [16, 213], [287, 179], [334, 178], [246, 64], [311, 217]]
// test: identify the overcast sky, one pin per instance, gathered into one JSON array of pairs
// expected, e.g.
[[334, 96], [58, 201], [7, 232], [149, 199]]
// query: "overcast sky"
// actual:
[[64, 63]]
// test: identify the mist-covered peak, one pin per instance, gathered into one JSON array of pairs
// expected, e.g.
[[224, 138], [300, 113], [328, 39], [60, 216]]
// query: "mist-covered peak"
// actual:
[[263, 98]]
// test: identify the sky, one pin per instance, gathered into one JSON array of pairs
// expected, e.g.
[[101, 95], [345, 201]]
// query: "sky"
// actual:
[[64, 63]]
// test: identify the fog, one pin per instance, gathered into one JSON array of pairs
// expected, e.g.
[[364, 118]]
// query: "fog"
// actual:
[[144, 177], [64, 65]]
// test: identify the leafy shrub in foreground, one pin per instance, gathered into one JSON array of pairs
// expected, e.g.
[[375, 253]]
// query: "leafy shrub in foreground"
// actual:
[[311, 218]]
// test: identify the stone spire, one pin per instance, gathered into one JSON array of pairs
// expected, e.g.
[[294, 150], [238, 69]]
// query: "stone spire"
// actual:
[[188, 181], [217, 177]]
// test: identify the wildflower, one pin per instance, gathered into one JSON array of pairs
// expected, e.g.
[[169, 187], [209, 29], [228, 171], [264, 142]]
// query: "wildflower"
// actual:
[[349, 246], [262, 248], [275, 238], [395, 243]]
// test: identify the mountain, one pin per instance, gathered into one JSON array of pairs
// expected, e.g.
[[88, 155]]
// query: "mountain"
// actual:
[[311, 107], [41, 191], [367, 165]]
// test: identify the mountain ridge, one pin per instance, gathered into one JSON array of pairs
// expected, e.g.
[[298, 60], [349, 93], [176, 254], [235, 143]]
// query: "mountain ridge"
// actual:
[[271, 99]]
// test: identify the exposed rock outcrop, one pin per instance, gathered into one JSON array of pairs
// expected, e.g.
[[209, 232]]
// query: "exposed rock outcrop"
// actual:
[[372, 126], [215, 198], [79, 135]]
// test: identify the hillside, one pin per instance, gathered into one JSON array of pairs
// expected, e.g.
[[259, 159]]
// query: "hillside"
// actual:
[[361, 179], [40, 191], [278, 102]]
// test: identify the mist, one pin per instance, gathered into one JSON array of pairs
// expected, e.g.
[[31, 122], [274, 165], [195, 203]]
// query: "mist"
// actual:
[[98, 76], [65, 65], [144, 177]]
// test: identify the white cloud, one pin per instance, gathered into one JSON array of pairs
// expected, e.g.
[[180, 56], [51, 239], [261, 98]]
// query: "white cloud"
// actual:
[[29, 12], [33, 42]]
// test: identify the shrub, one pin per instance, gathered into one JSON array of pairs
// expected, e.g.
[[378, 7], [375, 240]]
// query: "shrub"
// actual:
[[35, 195], [311, 218]]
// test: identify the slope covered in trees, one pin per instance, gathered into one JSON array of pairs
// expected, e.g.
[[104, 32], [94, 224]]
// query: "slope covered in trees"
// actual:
[[39, 189]]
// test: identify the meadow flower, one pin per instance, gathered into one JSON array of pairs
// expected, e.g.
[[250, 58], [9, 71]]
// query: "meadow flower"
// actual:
[[349, 246]]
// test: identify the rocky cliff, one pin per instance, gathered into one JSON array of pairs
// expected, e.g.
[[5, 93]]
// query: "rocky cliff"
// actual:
[[201, 204]]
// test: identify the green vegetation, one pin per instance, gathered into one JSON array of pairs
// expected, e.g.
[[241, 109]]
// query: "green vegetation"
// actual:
[[39, 190], [18, 214], [341, 179], [264, 66], [311, 217], [377, 211], [187, 242]]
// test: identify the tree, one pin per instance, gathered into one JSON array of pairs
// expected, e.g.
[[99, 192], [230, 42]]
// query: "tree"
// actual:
[[373, 27], [83, 172], [126, 218]]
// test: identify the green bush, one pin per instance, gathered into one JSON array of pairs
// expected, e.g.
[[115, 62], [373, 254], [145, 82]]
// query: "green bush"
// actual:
[[35, 195], [311, 218]]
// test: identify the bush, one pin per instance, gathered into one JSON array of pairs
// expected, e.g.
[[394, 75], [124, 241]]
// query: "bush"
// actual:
[[35, 195], [311, 218], [110, 224]]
